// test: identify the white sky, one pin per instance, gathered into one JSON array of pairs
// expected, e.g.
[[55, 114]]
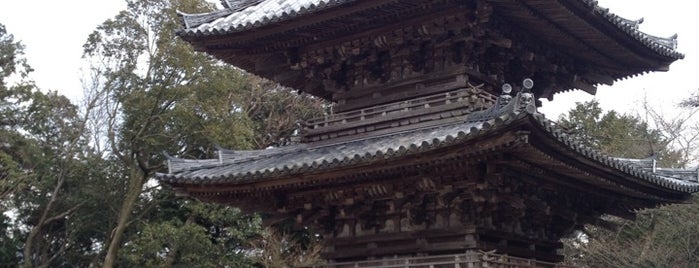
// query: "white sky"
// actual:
[[54, 32]]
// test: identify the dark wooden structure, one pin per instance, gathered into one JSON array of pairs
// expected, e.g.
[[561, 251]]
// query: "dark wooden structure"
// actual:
[[429, 151]]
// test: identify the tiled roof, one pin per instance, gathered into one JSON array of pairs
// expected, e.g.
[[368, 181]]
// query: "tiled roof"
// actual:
[[261, 13], [650, 165], [235, 167], [677, 173], [662, 45], [639, 168], [265, 12], [300, 158]]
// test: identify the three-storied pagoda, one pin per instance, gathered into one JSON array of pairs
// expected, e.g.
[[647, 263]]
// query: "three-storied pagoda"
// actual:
[[429, 152]]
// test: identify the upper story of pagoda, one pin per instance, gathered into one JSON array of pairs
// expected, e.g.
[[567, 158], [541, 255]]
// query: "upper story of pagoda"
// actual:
[[359, 54]]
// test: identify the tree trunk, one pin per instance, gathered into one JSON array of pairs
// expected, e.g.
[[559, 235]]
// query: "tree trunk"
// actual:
[[29, 242], [136, 180]]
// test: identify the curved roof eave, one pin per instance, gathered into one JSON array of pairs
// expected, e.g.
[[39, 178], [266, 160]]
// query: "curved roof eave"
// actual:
[[259, 165]]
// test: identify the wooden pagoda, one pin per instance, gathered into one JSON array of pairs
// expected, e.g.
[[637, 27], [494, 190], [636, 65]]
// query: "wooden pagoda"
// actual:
[[429, 150]]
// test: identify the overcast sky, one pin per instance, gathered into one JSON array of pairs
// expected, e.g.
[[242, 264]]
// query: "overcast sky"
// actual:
[[54, 31]]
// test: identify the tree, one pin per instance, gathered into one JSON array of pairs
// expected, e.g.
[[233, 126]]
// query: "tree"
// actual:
[[77, 179], [692, 101], [618, 135], [45, 169], [276, 112], [56, 127], [679, 129], [203, 235], [662, 237], [12, 176], [277, 248], [12, 100], [147, 77], [157, 94]]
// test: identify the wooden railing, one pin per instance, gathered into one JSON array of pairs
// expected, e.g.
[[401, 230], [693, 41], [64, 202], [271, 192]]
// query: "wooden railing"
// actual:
[[416, 112], [462, 95], [467, 260]]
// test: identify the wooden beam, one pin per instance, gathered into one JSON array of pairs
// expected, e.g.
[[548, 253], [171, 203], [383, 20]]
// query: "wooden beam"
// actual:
[[584, 86], [600, 78]]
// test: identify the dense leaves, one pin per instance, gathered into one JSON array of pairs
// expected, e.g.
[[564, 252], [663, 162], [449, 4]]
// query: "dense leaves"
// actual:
[[208, 235], [618, 135], [13, 98]]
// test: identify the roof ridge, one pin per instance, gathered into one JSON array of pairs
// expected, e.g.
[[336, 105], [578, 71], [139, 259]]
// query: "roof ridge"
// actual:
[[522, 102], [239, 5]]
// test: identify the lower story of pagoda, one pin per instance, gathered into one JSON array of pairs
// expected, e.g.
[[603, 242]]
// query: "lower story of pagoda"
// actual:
[[438, 242], [433, 216], [509, 192], [471, 207], [469, 259]]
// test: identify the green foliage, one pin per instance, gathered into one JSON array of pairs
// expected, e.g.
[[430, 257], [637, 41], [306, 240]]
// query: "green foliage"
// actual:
[[12, 155], [205, 235], [12, 61], [46, 168], [12, 175], [13, 99], [10, 244], [618, 135], [53, 200]]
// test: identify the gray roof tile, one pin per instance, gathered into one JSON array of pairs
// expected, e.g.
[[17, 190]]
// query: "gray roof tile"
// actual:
[[265, 12], [295, 157]]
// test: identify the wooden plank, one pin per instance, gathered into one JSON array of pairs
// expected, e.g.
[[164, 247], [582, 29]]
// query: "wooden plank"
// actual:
[[413, 114]]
